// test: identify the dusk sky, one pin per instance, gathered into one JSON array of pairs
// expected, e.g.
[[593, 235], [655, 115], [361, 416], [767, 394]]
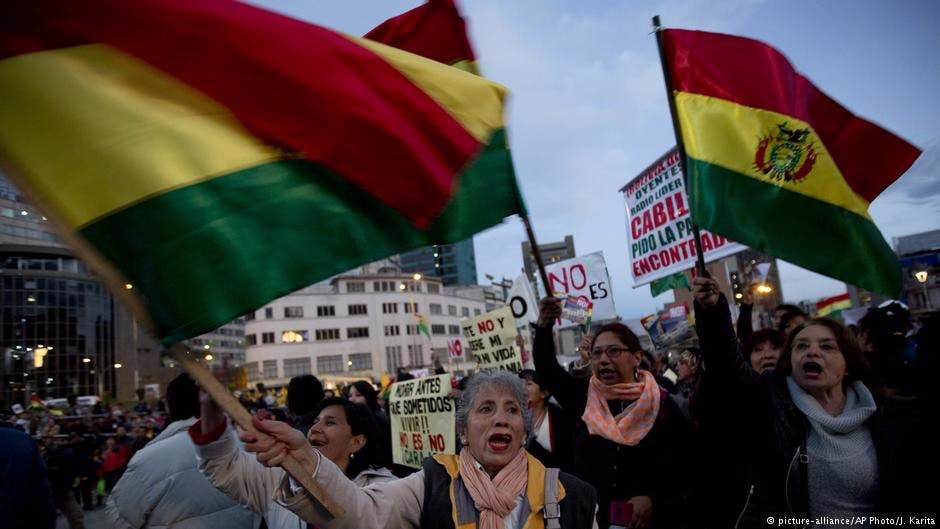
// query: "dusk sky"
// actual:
[[588, 109]]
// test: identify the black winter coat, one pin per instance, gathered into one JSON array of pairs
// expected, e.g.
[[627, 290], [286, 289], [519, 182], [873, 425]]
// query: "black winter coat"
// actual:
[[620, 472], [771, 420]]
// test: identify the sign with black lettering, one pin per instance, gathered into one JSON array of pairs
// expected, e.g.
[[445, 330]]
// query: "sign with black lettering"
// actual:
[[491, 338], [422, 417], [582, 281]]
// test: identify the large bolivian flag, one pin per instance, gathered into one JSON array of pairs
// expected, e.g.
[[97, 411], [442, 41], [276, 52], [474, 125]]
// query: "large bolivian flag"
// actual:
[[777, 164], [216, 155]]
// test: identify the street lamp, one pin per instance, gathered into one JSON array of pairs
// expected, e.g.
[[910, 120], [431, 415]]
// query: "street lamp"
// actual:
[[921, 276], [417, 277], [764, 288]]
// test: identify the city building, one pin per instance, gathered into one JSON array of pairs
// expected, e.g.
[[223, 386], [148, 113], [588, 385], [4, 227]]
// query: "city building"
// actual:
[[454, 264], [224, 346], [734, 274], [359, 326], [552, 252], [62, 332], [919, 255]]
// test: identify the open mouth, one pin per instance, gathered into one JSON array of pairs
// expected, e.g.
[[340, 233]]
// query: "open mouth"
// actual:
[[812, 370], [768, 364], [318, 443], [499, 442], [606, 373]]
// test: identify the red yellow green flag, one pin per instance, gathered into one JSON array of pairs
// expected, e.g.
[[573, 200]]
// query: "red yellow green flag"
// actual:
[[216, 155], [777, 164], [423, 325], [434, 30], [833, 306]]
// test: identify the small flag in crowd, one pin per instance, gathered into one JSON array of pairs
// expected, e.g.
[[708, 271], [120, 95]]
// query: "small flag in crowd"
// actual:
[[833, 307], [677, 280], [217, 155], [423, 325], [777, 164]]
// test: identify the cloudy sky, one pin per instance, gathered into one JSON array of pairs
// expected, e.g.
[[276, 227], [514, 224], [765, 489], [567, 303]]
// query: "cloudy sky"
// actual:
[[588, 109]]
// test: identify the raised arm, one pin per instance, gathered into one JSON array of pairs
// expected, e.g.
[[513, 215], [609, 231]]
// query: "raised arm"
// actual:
[[394, 504], [724, 364], [230, 469], [569, 391]]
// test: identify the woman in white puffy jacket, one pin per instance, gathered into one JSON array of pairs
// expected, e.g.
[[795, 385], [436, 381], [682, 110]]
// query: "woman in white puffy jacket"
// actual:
[[343, 431]]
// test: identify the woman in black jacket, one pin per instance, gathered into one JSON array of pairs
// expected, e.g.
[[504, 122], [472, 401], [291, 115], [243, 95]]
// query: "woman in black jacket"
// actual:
[[827, 447], [630, 429], [551, 440]]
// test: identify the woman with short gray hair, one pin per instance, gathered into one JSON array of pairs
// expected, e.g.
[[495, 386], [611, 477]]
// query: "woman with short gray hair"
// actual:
[[492, 483]]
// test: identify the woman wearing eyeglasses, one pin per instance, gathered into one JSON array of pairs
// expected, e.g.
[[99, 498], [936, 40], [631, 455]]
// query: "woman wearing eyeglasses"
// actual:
[[626, 440]]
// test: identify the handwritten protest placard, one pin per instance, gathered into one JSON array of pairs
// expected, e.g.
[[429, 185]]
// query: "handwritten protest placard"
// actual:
[[584, 277], [491, 338], [659, 224], [422, 417]]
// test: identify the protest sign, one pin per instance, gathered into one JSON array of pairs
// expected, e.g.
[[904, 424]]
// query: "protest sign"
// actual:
[[521, 299], [578, 309], [659, 224], [670, 328], [422, 418], [583, 277], [491, 337], [456, 349]]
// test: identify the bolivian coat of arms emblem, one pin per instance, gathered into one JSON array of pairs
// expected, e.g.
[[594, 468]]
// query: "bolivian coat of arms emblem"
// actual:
[[788, 156]]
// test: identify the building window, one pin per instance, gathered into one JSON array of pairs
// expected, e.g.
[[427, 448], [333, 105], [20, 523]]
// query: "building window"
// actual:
[[389, 308], [326, 310], [293, 312], [410, 307], [411, 329], [451, 310], [355, 286], [330, 364], [251, 371], [250, 316], [294, 337], [360, 361], [465, 312], [392, 330], [251, 339], [416, 355], [270, 369], [393, 357], [267, 337], [268, 312], [357, 332], [453, 330], [434, 288], [436, 308], [358, 310], [384, 286], [438, 329], [476, 312], [294, 367], [327, 334]]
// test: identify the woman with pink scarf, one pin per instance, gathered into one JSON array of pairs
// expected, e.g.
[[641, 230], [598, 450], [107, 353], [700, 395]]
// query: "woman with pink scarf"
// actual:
[[492, 483], [627, 440]]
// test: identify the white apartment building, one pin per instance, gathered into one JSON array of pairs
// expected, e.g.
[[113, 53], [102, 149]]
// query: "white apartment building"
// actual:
[[356, 327]]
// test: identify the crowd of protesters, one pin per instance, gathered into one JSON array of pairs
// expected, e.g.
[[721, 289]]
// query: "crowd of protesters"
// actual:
[[807, 418]]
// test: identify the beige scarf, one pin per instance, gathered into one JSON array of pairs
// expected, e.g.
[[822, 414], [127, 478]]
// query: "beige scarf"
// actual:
[[630, 426], [495, 498]]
